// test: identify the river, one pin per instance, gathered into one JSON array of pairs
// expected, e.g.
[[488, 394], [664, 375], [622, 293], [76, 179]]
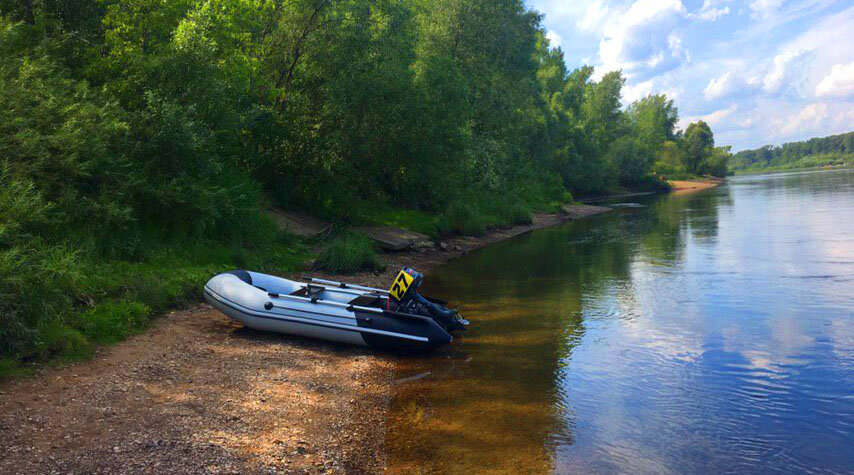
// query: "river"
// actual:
[[706, 332]]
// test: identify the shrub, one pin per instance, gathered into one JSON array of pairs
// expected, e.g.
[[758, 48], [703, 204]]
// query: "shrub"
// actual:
[[9, 368], [519, 213], [34, 275], [347, 253], [57, 339], [465, 218]]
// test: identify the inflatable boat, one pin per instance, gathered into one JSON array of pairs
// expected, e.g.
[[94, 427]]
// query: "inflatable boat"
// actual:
[[398, 319]]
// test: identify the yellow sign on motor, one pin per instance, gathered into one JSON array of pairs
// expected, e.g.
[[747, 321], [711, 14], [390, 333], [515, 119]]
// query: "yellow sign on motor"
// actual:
[[400, 284]]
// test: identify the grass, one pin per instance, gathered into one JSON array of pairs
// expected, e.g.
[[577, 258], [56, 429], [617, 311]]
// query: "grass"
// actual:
[[465, 218], [474, 218], [114, 299], [413, 220], [12, 368], [349, 252]]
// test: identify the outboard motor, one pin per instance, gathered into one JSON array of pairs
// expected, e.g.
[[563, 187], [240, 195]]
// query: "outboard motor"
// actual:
[[404, 291]]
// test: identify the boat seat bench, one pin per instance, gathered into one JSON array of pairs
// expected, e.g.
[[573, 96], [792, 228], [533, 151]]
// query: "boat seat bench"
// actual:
[[360, 301]]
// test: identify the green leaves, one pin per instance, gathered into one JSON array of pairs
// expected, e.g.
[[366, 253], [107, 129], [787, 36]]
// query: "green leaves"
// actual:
[[699, 142]]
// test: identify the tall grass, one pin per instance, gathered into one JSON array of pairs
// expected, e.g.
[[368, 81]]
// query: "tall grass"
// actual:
[[349, 252], [475, 216], [465, 218], [49, 313]]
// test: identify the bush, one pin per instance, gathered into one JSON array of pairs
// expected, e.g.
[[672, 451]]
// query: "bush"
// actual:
[[64, 138], [632, 159], [349, 252], [9, 368], [57, 339], [34, 275], [465, 218], [516, 213]]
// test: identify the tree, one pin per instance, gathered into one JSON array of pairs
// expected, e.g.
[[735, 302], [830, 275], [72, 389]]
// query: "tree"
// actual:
[[670, 160], [716, 162], [654, 119], [632, 158], [602, 109], [698, 143]]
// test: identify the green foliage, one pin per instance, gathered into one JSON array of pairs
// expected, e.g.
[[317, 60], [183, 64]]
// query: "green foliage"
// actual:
[[33, 272], [816, 152], [654, 119], [111, 322], [59, 340], [698, 143], [519, 213], [716, 162], [670, 161], [632, 158], [465, 218], [53, 294], [10, 368], [413, 220], [348, 253], [59, 135]]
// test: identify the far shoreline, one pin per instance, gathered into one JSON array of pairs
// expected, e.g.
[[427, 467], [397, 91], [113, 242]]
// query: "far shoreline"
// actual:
[[794, 170]]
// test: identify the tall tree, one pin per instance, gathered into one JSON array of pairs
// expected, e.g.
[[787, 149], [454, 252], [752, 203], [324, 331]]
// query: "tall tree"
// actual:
[[698, 142], [654, 119]]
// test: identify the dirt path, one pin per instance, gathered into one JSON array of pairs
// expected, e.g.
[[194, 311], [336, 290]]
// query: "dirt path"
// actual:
[[198, 393]]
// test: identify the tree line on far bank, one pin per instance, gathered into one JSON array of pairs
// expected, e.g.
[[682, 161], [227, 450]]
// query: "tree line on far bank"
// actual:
[[129, 128], [815, 152]]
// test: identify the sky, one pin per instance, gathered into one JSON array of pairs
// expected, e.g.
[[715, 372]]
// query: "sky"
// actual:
[[758, 71]]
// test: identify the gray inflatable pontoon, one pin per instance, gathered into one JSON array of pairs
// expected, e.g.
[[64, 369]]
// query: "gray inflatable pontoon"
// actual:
[[323, 309]]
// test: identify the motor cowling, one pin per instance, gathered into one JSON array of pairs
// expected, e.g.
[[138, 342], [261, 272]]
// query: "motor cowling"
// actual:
[[406, 283], [404, 291]]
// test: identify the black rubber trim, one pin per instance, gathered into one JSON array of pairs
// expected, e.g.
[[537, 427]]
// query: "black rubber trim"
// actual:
[[242, 275], [435, 300], [436, 335]]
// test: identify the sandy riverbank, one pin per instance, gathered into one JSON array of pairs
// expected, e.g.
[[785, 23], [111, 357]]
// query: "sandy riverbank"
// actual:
[[199, 393], [686, 186]]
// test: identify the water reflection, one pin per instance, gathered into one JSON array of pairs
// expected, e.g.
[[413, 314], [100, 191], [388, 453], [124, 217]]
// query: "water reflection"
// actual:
[[700, 332]]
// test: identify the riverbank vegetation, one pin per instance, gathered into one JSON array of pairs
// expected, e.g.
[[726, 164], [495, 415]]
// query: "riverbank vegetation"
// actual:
[[139, 138], [832, 151]]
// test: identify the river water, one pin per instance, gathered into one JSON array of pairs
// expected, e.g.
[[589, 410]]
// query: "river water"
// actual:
[[707, 332]]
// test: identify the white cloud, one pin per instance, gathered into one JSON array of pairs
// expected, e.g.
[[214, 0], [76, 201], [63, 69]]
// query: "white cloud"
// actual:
[[839, 82], [593, 16], [764, 8], [710, 12], [631, 93], [811, 117], [786, 71], [554, 38], [713, 14], [714, 119], [720, 86], [642, 39]]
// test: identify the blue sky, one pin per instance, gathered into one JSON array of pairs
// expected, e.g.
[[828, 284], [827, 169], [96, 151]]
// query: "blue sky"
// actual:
[[758, 71]]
